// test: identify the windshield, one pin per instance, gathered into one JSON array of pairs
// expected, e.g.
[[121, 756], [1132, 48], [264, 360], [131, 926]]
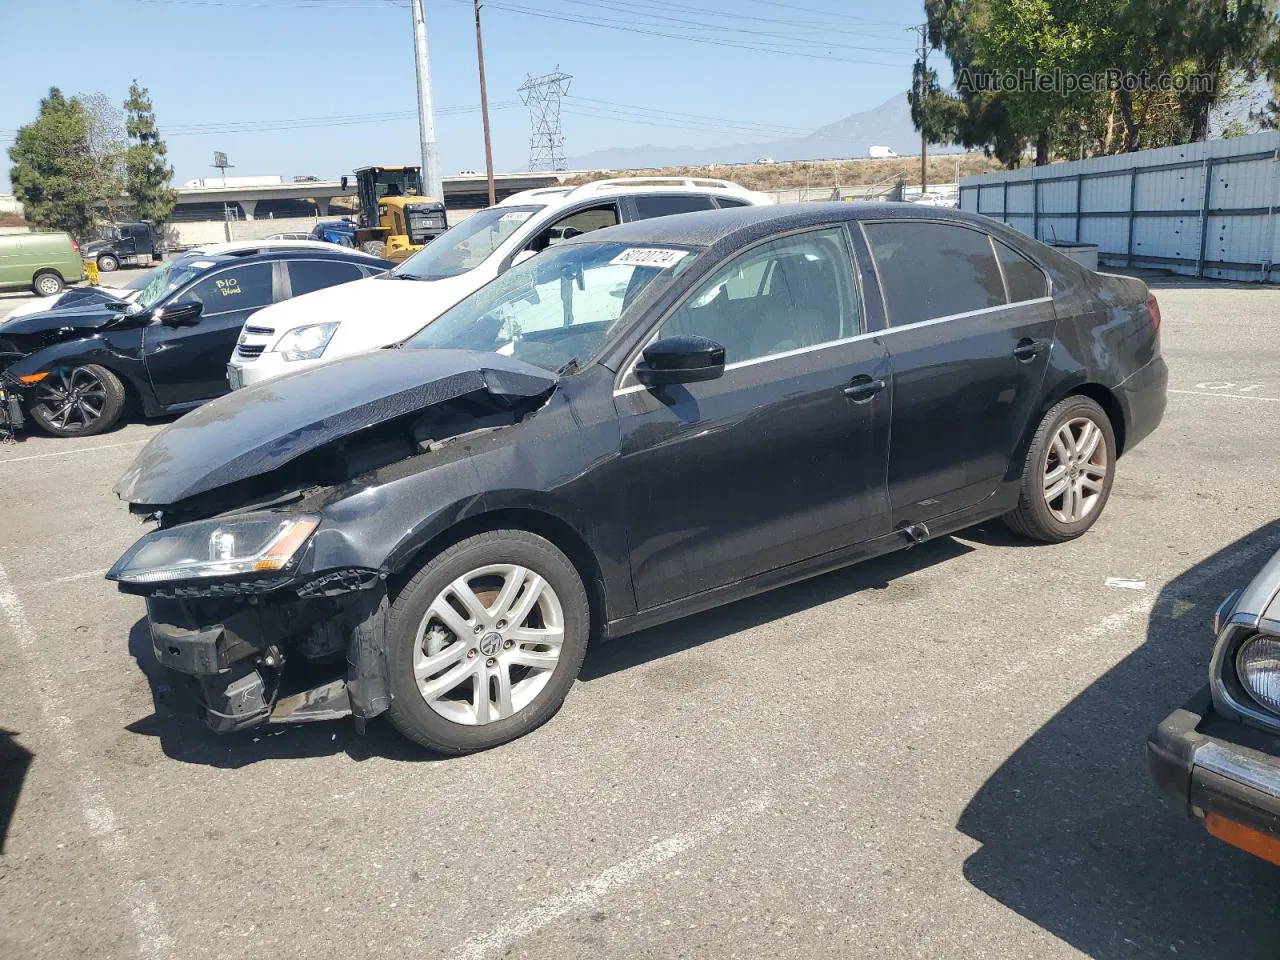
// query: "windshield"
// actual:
[[109, 232], [559, 307], [467, 245], [166, 278]]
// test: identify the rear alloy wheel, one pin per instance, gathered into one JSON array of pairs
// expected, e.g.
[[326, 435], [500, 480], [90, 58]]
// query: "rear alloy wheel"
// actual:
[[108, 263], [1068, 474], [48, 285], [486, 641], [77, 401]]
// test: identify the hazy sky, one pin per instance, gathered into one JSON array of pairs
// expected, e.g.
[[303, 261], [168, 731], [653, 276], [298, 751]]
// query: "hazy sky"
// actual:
[[323, 86]]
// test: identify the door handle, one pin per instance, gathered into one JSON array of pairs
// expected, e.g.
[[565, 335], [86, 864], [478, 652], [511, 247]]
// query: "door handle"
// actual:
[[862, 388], [1028, 349]]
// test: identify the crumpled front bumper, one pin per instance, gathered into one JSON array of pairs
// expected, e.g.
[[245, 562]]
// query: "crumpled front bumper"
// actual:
[[230, 655], [1221, 772]]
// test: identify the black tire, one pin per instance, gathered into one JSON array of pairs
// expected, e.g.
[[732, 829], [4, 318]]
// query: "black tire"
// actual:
[[108, 263], [47, 284], [410, 713], [1034, 517], [106, 395]]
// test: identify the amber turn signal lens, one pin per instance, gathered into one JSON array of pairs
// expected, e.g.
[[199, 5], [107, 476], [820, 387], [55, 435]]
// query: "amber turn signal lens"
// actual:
[[1246, 838], [33, 377]]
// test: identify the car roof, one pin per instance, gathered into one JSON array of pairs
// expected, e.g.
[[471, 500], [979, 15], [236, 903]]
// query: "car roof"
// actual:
[[283, 251], [242, 247], [744, 224], [562, 196]]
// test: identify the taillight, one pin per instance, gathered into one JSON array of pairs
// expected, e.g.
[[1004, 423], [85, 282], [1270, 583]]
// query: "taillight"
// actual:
[[75, 246], [1154, 306]]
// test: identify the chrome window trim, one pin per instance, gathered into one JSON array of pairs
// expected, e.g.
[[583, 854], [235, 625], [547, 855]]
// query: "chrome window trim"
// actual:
[[629, 369]]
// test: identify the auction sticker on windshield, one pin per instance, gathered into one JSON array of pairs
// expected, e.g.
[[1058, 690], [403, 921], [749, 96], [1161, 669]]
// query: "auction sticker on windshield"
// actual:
[[649, 257], [519, 216]]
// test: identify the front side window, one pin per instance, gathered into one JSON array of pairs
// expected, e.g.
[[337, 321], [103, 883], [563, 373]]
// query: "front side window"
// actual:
[[787, 294], [929, 270], [558, 307], [243, 287], [576, 224], [647, 207], [466, 246]]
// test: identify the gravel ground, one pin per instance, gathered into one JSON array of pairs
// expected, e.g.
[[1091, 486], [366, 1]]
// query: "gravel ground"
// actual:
[[938, 754]]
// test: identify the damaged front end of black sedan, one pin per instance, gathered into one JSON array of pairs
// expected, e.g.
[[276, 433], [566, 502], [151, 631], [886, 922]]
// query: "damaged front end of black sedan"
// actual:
[[266, 579]]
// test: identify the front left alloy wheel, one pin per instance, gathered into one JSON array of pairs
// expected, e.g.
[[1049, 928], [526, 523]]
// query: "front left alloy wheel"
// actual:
[[78, 401], [486, 641]]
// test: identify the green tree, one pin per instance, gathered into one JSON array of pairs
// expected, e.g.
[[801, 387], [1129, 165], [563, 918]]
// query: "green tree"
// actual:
[[52, 172], [1211, 41], [106, 138], [147, 173]]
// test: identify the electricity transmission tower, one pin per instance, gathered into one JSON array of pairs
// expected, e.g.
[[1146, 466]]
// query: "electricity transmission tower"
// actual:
[[546, 137]]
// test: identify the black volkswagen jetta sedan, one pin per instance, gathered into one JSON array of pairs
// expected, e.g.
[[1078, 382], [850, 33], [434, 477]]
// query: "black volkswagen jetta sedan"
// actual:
[[78, 367], [635, 425]]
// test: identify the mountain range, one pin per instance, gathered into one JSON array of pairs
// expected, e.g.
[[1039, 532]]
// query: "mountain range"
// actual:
[[887, 125]]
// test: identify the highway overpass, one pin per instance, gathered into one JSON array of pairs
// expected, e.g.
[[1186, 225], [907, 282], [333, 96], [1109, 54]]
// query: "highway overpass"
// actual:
[[313, 197]]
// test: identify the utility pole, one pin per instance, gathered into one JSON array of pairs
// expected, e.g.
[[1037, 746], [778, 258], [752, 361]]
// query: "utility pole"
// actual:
[[484, 110], [923, 30], [426, 112]]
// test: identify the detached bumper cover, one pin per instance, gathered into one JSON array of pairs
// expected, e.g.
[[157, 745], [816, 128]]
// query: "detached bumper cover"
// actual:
[[1214, 766]]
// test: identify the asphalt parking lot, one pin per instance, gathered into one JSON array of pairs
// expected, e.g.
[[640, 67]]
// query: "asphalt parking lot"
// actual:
[[938, 754]]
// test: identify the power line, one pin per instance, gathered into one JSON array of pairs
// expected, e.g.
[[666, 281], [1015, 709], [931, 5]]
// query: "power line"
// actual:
[[601, 22], [642, 9]]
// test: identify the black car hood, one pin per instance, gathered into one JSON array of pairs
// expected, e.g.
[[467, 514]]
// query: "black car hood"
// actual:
[[94, 246], [260, 428], [93, 315]]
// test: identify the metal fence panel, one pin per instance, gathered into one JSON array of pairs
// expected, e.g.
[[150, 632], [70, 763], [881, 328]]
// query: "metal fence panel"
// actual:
[[1206, 209]]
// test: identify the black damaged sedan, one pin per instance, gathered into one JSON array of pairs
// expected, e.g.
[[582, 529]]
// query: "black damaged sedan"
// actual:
[[640, 423]]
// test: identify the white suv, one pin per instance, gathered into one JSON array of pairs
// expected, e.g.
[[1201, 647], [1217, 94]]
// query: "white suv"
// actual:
[[371, 313]]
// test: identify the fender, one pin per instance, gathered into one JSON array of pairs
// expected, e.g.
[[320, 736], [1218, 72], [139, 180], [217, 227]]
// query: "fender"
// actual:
[[95, 349]]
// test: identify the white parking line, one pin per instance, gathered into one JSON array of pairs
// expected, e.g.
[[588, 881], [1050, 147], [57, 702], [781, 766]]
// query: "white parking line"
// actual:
[[153, 938], [67, 453], [590, 892], [1228, 396]]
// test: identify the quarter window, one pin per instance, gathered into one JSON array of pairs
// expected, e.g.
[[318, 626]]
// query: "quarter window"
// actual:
[[1024, 279], [306, 276], [647, 207], [783, 295], [930, 270], [245, 287]]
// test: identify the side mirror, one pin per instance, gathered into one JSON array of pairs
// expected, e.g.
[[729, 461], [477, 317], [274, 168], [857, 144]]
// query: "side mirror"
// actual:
[[680, 360], [522, 256], [184, 313]]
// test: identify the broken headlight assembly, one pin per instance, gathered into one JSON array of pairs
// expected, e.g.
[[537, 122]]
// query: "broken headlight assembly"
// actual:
[[306, 343], [221, 547]]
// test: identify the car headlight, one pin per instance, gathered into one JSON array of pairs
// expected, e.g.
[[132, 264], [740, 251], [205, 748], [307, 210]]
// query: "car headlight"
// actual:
[[223, 547], [1258, 667], [306, 343]]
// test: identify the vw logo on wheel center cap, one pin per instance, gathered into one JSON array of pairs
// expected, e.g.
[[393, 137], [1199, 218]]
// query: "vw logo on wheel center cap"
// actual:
[[490, 644]]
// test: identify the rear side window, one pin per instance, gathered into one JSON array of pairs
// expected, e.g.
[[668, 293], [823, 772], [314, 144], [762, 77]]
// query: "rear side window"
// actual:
[[725, 202], [306, 276], [930, 270], [1025, 280], [647, 207], [245, 287]]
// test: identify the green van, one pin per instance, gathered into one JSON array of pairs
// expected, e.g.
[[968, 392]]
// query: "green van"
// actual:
[[43, 262]]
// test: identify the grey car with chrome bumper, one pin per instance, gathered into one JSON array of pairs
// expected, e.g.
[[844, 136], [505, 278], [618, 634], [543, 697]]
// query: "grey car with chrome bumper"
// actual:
[[1219, 754]]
